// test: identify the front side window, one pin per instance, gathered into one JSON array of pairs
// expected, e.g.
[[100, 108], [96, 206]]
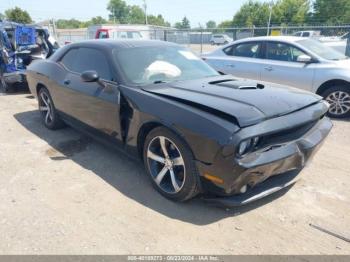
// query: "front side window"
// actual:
[[283, 52], [84, 59], [69, 59], [146, 65]]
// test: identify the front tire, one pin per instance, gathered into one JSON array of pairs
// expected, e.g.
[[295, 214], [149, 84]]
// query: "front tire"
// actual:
[[48, 111], [3, 85], [339, 99], [170, 165]]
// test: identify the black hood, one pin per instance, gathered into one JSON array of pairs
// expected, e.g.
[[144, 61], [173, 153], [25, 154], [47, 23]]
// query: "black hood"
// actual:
[[246, 101]]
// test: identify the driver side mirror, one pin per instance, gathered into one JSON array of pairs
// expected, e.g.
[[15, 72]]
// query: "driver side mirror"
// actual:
[[90, 76], [304, 59]]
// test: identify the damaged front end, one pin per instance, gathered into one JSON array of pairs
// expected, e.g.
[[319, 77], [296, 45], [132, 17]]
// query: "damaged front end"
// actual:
[[274, 163]]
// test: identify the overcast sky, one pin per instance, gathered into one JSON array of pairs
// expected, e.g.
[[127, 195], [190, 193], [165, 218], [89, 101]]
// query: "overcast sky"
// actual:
[[198, 11]]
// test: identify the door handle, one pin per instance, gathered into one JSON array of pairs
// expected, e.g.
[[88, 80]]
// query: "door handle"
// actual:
[[66, 82], [231, 65], [269, 68]]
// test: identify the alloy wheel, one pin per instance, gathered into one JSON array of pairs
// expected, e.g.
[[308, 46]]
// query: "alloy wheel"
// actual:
[[166, 165], [339, 102], [45, 107]]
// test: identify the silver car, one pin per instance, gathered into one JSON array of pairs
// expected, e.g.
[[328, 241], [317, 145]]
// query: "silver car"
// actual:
[[298, 62]]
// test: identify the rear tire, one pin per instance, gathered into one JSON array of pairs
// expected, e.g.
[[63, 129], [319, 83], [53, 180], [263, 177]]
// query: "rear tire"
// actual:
[[339, 99], [170, 165], [48, 111]]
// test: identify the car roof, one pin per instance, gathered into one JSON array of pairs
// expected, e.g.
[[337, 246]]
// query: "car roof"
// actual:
[[12, 25], [272, 38], [109, 43]]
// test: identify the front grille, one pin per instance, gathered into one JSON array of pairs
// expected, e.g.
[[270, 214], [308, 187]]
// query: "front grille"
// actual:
[[285, 136]]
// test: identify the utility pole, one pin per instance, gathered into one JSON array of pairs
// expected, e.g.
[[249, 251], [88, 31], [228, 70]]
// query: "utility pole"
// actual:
[[145, 8], [270, 16]]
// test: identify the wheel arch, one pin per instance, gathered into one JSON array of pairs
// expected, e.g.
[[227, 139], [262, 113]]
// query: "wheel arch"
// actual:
[[38, 87], [146, 128], [331, 83]]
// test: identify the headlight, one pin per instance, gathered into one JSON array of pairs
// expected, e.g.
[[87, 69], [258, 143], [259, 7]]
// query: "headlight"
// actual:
[[248, 145]]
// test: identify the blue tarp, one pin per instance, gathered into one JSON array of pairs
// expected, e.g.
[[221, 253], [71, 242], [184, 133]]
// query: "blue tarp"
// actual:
[[25, 35]]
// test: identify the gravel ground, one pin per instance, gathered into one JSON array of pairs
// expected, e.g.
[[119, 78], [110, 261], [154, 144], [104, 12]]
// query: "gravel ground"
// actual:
[[63, 193]]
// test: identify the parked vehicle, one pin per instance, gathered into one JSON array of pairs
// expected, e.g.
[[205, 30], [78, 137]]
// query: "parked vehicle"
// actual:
[[19, 46], [298, 62], [307, 33], [196, 131], [338, 43], [220, 39], [115, 32]]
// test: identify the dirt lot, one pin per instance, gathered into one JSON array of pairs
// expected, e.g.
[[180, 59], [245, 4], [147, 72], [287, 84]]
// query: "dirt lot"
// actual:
[[62, 193]]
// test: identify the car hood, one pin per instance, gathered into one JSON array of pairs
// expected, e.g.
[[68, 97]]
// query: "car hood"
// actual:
[[245, 101]]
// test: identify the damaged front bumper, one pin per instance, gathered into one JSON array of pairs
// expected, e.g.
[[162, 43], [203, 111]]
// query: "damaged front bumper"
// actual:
[[261, 173]]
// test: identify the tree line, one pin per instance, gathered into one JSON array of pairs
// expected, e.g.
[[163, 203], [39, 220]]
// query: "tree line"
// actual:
[[291, 12], [252, 13]]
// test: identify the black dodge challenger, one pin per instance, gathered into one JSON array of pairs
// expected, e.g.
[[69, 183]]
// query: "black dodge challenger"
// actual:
[[197, 132]]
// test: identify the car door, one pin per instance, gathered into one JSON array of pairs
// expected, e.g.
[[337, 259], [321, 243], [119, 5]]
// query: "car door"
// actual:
[[95, 104], [281, 66], [241, 60]]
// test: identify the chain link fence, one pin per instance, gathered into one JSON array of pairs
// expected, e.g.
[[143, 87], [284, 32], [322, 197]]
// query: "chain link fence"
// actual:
[[205, 40]]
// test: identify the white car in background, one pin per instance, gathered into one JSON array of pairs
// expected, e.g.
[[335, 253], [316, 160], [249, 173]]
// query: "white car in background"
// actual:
[[220, 39], [295, 61]]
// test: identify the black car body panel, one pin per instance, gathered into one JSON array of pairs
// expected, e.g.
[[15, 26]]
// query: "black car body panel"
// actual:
[[242, 99], [212, 115]]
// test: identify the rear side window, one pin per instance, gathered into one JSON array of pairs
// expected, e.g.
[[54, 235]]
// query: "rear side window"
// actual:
[[84, 59], [250, 50]]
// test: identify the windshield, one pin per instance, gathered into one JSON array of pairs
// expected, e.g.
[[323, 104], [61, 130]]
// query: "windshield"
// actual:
[[321, 50], [146, 65]]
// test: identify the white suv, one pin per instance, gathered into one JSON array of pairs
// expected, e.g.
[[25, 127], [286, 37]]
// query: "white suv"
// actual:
[[299, 62], [220, 39]]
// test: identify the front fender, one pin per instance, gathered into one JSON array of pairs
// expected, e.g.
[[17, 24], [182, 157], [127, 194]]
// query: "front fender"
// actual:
[[206, 134]]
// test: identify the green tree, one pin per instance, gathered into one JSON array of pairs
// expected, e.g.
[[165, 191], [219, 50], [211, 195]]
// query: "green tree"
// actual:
[[211, 24], [226, 24], [331, 12], [68, 24], [18, 15], [178, 25], [136, 15], [157, 20], [283, 12], [98, 20], [252, 13], [122, 13], [184, 24], [2, 16], [119, 11], [290, 12]]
